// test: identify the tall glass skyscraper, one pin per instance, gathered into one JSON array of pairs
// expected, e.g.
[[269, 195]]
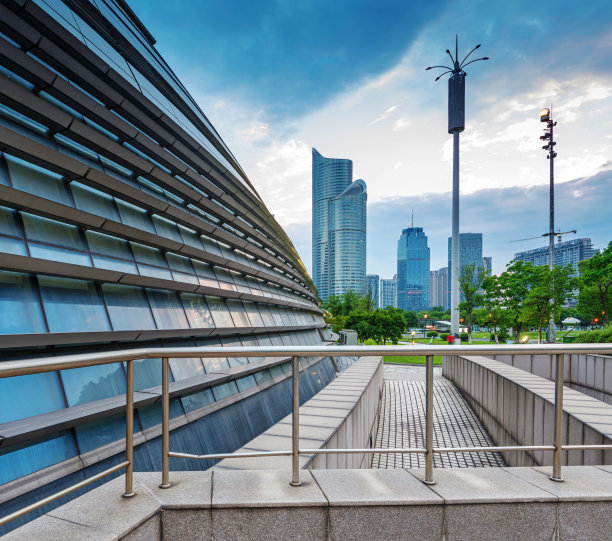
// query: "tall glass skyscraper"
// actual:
[[338, 227], [470, 253], [388, 292], [413, 270]]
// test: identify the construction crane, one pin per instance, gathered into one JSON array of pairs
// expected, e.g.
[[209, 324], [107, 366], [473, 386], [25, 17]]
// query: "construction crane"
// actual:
[[557, 234]]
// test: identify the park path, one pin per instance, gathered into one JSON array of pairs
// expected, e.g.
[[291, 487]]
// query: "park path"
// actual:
[[402, 422]]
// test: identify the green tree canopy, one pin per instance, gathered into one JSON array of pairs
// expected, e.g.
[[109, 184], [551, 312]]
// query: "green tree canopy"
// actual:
[[470, 284], [595, 297]]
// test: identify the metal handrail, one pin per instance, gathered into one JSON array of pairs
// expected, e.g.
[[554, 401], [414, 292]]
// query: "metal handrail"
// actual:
[[48, 364]]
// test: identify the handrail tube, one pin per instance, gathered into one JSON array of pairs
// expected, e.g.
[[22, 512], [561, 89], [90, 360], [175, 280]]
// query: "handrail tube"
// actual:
[[589, 447], [165, 424], [129, 430], [493, 449], [49, 364], [24, 367], [6, 519], [429, 428], [295, 428], [558, 434]]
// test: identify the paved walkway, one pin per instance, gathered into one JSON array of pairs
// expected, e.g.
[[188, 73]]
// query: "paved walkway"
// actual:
[[402, 422]]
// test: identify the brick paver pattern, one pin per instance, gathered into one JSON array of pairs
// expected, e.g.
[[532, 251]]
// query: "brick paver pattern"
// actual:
[[402, 425]]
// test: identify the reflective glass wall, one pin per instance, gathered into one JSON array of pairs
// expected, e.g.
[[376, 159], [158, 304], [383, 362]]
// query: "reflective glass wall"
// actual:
[[125, 221]]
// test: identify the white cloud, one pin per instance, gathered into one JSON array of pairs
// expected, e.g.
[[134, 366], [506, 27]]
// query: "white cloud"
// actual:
[[388, 112]]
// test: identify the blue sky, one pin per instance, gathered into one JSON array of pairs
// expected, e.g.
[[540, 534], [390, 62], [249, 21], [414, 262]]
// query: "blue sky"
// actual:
[[279, 77]]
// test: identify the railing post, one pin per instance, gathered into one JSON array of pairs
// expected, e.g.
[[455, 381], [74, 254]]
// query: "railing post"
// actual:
[[556, 474], [429, 420], [295, 440], [165, 423], [129, 431]]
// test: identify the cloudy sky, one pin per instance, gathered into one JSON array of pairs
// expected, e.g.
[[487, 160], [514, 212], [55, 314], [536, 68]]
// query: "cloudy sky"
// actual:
[[278, 77]]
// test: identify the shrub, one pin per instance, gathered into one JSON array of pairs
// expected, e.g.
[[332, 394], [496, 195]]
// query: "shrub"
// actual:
[[444, 336], [597, 336], [432, 334], [464, 336]]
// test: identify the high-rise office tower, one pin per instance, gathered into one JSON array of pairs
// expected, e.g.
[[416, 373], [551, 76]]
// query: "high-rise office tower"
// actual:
[[487, 265], [338, 227], [470, 252], [443, 288], [433, 290], [388, 292], [372, 283], [413, 270], [566, 253]]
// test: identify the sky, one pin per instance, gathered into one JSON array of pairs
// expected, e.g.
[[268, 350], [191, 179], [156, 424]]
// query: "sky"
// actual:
[[279, 77]]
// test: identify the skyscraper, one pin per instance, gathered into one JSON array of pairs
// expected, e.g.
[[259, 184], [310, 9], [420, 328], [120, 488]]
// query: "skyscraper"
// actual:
[[443, 288], [413, 270], [487, 264], [470, 252], [388, 292], [372, 283], [566, 253], [338, 227]]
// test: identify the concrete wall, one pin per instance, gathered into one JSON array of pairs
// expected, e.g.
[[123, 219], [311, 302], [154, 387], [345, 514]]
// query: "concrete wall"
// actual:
[[589, 374], [342, 415], [516, 408], [337, 505]]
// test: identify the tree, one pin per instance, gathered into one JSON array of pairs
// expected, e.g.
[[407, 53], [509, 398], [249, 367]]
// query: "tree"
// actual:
[[549, 290], [368, 303], [504, 295], [410, 317], [595, 297], [470, 283], [358, 320]]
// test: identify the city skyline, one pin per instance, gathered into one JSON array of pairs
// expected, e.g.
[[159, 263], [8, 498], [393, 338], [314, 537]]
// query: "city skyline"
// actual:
[[379, 104]]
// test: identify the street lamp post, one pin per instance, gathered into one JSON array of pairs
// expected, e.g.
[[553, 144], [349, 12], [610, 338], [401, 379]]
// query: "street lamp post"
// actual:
[[548, 138], [456, 124]]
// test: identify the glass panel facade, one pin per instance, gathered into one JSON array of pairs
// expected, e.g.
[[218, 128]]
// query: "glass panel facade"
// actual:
[[72, 305]]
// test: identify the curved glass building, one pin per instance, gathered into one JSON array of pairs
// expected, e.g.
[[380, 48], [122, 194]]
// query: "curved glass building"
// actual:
[[125, 221], [338, 227]]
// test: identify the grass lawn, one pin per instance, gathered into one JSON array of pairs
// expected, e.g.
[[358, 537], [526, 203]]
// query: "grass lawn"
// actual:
[[419, 359]]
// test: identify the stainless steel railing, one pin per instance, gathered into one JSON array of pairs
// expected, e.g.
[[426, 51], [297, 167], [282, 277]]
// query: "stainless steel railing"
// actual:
[[35, 366]]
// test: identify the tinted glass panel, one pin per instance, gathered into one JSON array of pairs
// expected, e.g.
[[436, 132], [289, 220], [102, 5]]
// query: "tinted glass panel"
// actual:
[[238, 313], [219, 311], [20, 310], [135, 217], [93, 383], [128, 308], [72, 305], [50, 231], [167, 310], [197, 311], [21, 460], [93, 201], [197, 400], [24, 396], [35, 180]]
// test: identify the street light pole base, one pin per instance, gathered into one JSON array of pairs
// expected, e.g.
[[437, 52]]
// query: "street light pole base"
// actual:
[[429, 482], [557, 479], [128, 494], [295, 483], [165, 485]]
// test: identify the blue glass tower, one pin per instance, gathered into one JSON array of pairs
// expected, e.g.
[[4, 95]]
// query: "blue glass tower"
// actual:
[[338, 227], [413, 270]]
